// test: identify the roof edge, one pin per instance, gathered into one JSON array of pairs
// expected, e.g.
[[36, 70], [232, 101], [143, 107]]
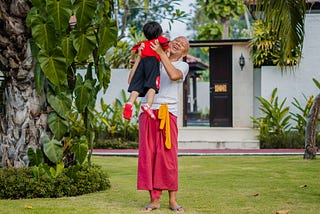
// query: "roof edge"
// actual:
[[206, 43]]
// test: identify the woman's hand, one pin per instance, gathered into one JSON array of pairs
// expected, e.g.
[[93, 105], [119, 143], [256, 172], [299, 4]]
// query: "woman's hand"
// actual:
[[137, 54], [156, 47], [173, 73]]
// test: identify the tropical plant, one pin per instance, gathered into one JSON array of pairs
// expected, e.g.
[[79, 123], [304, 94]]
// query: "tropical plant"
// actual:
[[43, 84], [285, 21], [302, 115], [219, 13], [111, 126], [282, 133], [276, 115], [132, 15], [266, 49], [210, 31], [275, 118], [119, 56]]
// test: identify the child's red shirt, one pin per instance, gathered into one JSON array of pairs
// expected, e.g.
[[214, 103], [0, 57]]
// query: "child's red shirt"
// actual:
[[147, 51]]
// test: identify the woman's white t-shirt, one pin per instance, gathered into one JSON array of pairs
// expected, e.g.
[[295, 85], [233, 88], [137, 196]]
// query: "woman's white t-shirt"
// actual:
[[169, 90]]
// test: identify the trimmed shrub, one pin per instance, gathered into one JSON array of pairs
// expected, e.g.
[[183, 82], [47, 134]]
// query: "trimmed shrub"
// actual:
[[75, 180], [115, 144]]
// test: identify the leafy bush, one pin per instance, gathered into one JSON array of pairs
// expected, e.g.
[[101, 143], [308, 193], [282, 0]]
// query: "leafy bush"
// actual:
[[115, 144], [301, 118], [275, 128], [118, 56], [276, 116], [211, 31], [75, 180], [287, 140], [112, 130]]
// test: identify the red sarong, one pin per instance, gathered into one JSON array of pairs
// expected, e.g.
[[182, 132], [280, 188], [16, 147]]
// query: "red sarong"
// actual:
[[157, 165]]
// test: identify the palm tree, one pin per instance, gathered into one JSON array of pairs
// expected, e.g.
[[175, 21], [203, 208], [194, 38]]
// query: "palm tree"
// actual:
[[22, 120], [39, 56], [287, 19]]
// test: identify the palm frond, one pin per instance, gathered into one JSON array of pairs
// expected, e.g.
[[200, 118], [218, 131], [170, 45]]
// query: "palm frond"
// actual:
[[287, 20]]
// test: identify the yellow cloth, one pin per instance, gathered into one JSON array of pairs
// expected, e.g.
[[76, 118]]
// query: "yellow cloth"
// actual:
[[164, 116]]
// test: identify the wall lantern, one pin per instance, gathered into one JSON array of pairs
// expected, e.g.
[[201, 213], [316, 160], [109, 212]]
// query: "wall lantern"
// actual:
[[242, 61]]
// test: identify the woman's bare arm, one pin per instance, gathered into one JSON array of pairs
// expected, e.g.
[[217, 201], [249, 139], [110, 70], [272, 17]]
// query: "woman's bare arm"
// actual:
[[173, 73]]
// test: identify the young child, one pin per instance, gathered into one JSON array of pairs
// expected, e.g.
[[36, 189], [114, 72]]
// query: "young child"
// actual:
[[144, 78]]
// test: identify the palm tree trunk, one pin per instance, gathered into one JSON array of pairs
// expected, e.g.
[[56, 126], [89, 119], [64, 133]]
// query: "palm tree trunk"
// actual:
[[21, 120], [310, 137]]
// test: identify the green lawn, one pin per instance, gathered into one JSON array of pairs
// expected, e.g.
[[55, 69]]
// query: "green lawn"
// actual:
[[208, 184]]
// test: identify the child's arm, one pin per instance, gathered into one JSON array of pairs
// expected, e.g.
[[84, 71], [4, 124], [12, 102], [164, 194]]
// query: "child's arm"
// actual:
[[133, 70], [134, 51], [136, 63], [132, 57]]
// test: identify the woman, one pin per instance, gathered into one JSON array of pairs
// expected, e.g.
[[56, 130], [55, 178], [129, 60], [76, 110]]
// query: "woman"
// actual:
[[158, 139]]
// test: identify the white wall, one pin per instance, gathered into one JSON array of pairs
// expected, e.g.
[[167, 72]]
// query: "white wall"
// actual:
[[242, 88], [118, 82], [298, 83]]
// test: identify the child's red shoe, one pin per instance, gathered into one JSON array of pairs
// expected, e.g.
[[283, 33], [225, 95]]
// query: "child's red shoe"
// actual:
[[145, 108], [127, 111]]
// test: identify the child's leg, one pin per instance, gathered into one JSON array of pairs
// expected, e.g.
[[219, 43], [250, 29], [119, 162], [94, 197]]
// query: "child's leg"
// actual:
[[147, 107], [133, 97], [150, 96]]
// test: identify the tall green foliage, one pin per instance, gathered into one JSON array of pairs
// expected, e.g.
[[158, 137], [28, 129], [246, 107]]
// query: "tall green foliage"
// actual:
[[285, 19], [276, 115], [219, 9], [267, 49], [132, 15], [61, 47], [276, 129], [273, 125], [217, 15], [112, 129], [302, 115]]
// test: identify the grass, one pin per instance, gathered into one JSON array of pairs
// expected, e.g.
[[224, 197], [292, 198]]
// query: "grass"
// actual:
[[208, 184]]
